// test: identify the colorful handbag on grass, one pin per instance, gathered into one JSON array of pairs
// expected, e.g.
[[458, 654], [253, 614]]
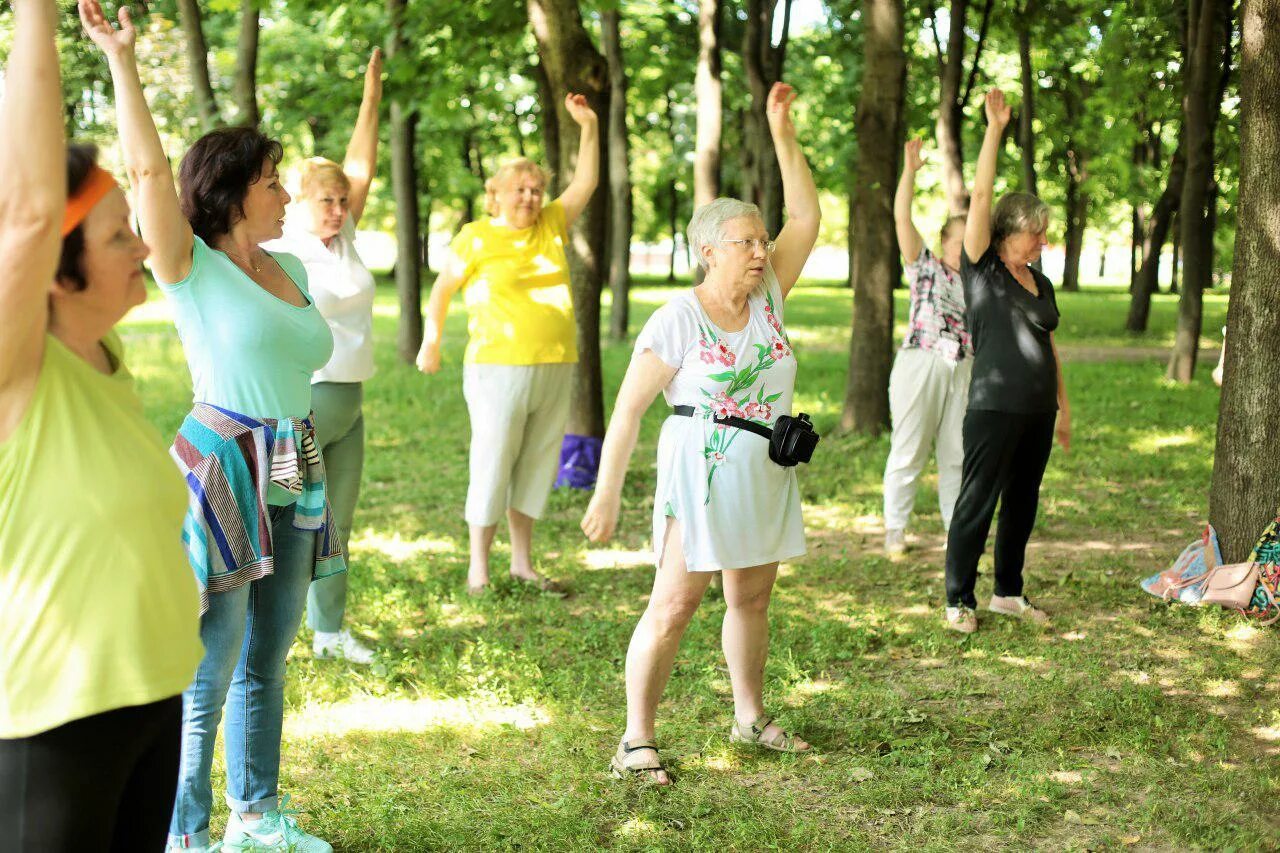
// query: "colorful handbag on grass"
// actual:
[[1184, 580], [1198, 577], [1266, 556]]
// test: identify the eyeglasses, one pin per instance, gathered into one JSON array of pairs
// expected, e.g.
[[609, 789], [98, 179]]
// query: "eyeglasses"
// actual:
[[752, 245]]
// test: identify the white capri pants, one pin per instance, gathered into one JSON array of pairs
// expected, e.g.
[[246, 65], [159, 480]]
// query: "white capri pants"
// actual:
[[518, 415], [928, 396]]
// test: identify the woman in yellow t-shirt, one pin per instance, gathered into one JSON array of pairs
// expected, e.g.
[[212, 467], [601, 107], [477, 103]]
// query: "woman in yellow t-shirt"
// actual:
[[518, 369], [99, 613]]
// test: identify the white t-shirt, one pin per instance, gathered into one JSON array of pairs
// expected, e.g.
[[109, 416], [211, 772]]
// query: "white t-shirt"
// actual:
[[343, 290]]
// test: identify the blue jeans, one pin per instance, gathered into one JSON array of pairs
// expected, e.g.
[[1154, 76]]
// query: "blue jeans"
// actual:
[[246, 633]]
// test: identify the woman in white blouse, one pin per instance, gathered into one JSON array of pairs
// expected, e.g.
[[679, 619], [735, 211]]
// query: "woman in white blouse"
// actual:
[[321, 233]]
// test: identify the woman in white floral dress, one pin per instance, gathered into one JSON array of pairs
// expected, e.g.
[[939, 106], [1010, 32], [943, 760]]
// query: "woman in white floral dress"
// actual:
[[719, 349]]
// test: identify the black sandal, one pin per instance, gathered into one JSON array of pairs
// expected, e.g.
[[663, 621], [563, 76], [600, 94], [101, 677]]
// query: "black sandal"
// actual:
[[621, 769]]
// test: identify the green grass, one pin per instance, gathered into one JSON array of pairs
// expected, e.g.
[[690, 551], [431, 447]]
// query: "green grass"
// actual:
[[490, 725]]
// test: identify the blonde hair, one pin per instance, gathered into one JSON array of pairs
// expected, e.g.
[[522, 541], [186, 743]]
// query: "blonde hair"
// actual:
[[502, 179], [315, 173]]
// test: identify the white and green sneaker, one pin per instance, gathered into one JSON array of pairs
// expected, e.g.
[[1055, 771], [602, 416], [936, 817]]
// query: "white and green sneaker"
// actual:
[[276, 830]]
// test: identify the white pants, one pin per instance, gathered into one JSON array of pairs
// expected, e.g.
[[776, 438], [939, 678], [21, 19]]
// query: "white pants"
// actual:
[[518, 415], [928, 396]]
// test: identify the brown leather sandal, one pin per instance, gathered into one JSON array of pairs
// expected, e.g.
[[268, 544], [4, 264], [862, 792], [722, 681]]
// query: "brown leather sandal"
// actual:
[[638, 768]]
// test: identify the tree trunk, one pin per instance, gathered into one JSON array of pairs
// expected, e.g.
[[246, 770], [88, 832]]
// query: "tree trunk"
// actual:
[[877, 266], [621, 216], [1102, 262], [761, 64], [198, 59], [550, 115], [404, 187], [1197, 241], [707, 89], [246, 81], [1077, 204], [951, 112], [573, 64], [1245, 490], [1176, 260], [1027, 112]]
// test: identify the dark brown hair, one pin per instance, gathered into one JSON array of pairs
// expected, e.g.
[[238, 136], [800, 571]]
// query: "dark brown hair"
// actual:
[[956, 220], [215, 176], [80, 162]]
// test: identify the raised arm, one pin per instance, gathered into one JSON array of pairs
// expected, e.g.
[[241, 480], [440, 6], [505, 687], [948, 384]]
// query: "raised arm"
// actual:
[[361, 162], [800, 232], [977, 228], [155, 196], [909, 240], [446, 284], [33, 198], [646, 376], [586, 175]]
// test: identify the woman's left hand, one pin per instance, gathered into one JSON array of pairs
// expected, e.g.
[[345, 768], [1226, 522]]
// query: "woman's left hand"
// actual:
[[580, 110], [373, 76], [98, 27], [1063, 429], [778, 110]]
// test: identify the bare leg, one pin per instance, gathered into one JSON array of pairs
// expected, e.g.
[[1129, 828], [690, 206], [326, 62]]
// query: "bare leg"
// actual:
[[481, 543], [745, 638], [521, 527], [677, 593]]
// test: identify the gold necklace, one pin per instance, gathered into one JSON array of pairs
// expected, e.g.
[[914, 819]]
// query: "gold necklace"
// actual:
[[243, 261]]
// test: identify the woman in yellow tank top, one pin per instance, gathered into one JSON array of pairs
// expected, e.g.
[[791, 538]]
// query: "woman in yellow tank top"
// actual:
[[518, 369], [94, 650]]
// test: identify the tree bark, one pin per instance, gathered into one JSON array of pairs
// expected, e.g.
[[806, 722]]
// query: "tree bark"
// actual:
[[1026, 112], [951, 112], [621, 215], [762, 63], [404, 187], [1148, 278], [573, 64], [707, 89], [246, 80], [1245, 490], [198, 59], [550, 119], [876, 263], [1077, 204], [1197, 241]]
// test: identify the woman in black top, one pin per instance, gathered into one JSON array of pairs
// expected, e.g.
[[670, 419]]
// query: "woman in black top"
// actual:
[[1016, 394]]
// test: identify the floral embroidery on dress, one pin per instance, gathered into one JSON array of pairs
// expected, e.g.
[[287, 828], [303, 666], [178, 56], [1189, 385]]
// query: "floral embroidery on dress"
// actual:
[[725, 402]]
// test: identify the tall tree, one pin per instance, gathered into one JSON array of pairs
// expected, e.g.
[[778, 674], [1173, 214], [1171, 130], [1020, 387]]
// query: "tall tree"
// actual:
[[198, 60], [1245, 488], [1147, 280], [621, 216], [1027, 112], [763, 63], [1206, 22], [573, 64], [404, 185], [246, 81], [954, 91], [877, 265], [707, 90]]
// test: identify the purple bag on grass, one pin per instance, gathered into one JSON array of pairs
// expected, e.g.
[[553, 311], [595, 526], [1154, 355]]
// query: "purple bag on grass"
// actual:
[[579, 461]]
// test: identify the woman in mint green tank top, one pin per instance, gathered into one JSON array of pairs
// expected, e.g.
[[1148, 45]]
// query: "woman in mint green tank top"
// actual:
[[94, 654], [258, 529]]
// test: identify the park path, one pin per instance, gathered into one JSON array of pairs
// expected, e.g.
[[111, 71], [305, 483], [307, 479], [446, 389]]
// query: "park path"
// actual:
[[1098, 353]]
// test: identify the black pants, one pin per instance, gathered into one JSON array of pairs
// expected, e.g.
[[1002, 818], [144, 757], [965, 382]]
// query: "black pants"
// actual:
[[105, 782], [1004, 459]]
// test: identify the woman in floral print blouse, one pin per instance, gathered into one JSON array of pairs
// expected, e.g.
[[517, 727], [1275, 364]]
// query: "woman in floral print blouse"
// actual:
[[720, 349]]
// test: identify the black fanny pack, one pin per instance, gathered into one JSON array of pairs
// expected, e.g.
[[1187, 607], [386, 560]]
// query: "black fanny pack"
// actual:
[[791, 441]]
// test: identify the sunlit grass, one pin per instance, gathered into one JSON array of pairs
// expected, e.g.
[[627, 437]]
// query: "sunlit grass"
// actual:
[[489, 722]]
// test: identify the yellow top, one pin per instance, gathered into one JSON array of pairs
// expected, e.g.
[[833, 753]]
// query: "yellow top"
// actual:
[[98, 607], [516, 287]]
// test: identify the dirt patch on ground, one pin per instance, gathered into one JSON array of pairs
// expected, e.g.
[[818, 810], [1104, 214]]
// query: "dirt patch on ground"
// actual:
[[1070, 353]]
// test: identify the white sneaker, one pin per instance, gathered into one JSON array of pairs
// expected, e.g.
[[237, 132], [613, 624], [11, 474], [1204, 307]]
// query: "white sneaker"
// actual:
[[1017, 605], [961, 619], [275, 831], [895, 542], [341, 645]]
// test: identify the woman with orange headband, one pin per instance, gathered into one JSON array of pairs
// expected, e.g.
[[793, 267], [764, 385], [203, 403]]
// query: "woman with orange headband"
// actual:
[[94, 652]]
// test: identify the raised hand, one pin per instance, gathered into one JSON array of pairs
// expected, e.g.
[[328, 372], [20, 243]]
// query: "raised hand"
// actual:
[[109, 40], [373, 76], [579, 110], [998, 112], [778, 110], [913, 159]]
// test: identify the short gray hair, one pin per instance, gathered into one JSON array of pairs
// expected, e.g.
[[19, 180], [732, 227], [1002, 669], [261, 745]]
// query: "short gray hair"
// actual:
[[1018, 213], [706, 226]]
